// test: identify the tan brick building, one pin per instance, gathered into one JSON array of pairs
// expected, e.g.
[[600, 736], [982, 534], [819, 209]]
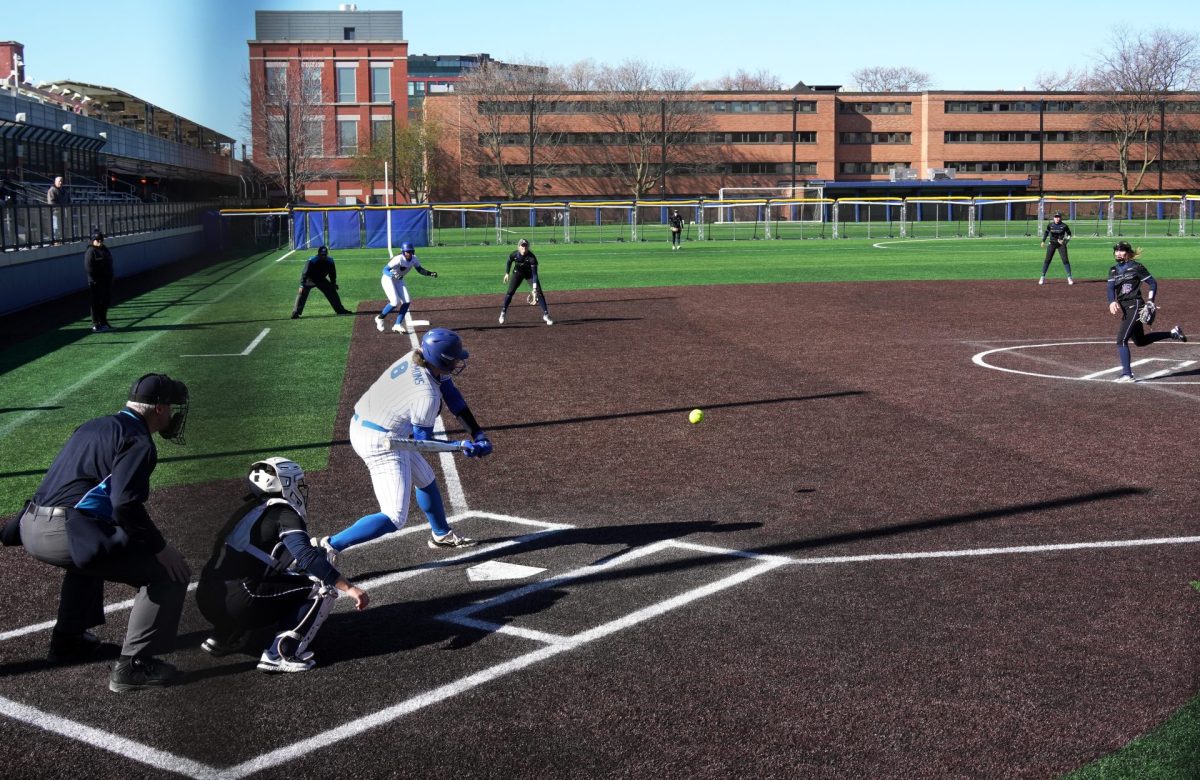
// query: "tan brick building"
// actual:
[[851, 142]]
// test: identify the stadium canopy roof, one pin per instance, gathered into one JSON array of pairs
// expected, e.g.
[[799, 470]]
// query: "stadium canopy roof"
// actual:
[[121, 108]]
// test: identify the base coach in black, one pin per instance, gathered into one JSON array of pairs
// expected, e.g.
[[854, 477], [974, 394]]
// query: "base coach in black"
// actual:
[[319, 272], [89, 518]]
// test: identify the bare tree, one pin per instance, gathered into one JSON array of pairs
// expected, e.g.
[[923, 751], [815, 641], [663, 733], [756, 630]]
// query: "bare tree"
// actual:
[[504, 132], [417, 169], [580, 76], [1137, 72], [891, 79], [1071, 80], [287, 121], [645, 109], [761, 80]]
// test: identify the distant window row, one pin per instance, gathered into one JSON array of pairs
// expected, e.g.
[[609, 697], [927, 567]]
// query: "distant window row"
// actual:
[[1057, 106], [871, 167], [568, 171], [1058, 166], [311, 141], [310, 89], [1062, 136], [632, 139], [875, 138], [647, 106], [875, 108]]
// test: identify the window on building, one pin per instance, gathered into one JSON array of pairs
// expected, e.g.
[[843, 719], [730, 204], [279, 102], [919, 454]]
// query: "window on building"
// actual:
[[347, 33], [381, 84], [346, 91], [276, 82], [347, 130], [313, 138], [380, 128], [310, 79]]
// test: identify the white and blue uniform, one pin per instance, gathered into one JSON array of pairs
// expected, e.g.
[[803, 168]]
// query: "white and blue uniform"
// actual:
[[392, 281], [403, 397]]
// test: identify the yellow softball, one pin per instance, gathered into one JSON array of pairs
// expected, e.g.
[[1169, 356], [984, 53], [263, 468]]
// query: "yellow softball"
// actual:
[[695, 416]]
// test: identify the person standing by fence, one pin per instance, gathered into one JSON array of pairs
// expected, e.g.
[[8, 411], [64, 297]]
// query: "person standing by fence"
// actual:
[[98, 263], [57, 197]]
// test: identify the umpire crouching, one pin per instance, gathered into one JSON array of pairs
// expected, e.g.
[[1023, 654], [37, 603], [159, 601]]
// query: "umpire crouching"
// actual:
[[89, 518]]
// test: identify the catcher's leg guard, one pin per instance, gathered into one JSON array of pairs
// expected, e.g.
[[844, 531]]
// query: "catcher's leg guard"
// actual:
[[294, 642]]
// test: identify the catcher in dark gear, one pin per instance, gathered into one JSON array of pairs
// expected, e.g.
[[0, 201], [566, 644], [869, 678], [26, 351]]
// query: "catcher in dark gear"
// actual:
[[1125, 298]]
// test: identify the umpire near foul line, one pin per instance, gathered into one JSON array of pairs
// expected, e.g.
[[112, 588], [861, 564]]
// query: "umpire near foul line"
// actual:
[[89, 518]]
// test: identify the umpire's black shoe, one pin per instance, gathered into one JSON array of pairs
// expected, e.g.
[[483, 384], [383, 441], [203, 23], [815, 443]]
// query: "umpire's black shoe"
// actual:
[[72, 648], [139, 672]]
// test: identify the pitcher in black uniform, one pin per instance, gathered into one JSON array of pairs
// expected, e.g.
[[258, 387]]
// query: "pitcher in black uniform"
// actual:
[[676, 223], [1055, 239], [522, 264], [1125, 298], [319, 272]]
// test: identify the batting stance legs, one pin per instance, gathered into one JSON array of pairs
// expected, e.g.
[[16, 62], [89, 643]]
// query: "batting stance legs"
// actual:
[[392, 472], [1051, 248]]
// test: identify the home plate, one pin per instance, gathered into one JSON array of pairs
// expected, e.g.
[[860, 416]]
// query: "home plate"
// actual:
[[499, 570]]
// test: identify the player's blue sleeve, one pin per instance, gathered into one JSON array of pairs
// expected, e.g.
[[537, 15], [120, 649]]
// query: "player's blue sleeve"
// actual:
[[422, 432], [453, 398], [309, 559], [1152, 284], [1112, 289]]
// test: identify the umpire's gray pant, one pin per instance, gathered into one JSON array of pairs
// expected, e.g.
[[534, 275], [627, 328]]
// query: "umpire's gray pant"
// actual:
[[154, 620]]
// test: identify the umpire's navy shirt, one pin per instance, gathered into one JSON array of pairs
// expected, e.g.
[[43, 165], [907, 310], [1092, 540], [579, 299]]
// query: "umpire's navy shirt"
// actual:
[[103, 473]]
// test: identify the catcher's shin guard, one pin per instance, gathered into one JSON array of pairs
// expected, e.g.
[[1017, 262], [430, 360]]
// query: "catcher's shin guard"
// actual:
[[320, 604]]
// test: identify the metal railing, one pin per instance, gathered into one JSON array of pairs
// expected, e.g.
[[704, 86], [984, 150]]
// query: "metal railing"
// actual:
[[29, 226]]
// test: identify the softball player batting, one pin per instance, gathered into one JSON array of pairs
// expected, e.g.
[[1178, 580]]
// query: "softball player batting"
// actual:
[[403, 404], [394, 287]]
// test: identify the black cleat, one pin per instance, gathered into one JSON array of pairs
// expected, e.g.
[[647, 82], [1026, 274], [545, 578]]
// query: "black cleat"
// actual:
[[72, 648], [1177, 334], [139, 673]]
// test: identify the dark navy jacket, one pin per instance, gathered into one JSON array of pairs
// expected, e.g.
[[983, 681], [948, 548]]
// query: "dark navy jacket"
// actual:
[[102, 477]]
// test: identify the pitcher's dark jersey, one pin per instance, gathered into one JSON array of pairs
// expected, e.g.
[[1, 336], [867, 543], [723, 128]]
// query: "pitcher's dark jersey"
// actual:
[[1125, 279]]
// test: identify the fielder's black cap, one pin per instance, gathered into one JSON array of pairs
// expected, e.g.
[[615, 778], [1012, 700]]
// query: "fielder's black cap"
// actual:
[[322, 250], [1058, 213], [523, 242], [97, 235], [1123, 246], [158, 389]]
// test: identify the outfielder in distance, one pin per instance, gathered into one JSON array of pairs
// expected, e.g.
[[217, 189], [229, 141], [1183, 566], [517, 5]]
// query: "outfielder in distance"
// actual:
[[394, 287], [676, 223], [403, 403], [1055, 239], [1125, 298], [522, 264]]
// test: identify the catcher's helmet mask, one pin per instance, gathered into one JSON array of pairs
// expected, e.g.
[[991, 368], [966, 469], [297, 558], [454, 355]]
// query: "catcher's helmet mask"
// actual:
[[280, 478], [442, 349]]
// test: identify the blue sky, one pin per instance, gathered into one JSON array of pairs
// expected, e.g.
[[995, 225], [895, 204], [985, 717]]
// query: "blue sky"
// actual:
[[189, 56]]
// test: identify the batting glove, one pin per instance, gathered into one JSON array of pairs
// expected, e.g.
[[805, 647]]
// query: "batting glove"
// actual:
[[479, 448]]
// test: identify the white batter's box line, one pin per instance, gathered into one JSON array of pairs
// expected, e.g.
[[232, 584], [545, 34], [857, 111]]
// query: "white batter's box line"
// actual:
[[49, 624]]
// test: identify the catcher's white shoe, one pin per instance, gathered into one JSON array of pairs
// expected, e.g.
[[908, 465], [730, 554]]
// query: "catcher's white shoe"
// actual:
[[399, 327], [450, 540], [546, 319], [276, 664], [379, 324]]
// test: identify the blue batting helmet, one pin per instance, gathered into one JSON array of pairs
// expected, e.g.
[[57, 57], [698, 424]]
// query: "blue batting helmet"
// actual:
[[442, 348], [407, 247]]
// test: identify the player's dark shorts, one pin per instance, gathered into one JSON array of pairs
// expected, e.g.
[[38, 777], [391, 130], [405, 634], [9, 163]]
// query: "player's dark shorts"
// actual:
[[251, 604], [1131, 326], [516, 277]]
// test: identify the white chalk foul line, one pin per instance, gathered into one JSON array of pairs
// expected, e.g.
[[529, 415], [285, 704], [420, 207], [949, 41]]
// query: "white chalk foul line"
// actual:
[[125, 354], [257, 340]]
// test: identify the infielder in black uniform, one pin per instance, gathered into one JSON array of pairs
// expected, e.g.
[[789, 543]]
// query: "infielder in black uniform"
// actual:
[[1055, 238], [522, 264], [1125, 298], [98, 264], [319, 272], [676, 223]]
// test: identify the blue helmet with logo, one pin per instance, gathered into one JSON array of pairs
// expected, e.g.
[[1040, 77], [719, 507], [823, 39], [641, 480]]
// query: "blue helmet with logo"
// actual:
[[442, 348], [407, 247]]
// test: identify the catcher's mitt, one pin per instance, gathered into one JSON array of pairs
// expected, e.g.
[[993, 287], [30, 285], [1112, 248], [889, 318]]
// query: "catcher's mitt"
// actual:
[[1147, 313]]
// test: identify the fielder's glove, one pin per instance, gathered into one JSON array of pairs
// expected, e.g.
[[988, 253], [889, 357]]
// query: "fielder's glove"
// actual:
[[533, 296], [1147, 313]]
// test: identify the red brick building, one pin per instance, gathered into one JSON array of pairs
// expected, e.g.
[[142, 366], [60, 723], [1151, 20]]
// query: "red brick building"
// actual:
[[344, 75], [1008, 142]]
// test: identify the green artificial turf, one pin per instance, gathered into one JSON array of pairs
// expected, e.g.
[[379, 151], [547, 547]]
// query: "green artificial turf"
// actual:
[[281, 399]]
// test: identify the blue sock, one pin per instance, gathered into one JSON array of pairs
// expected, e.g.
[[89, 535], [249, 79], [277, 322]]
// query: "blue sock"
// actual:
[[429, 498], [364, 529], [386, 311], [402, 311], [1123, 353]]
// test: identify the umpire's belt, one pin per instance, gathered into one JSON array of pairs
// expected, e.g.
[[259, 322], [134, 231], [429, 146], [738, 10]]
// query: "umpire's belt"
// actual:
[[35, 512], [369, 424]]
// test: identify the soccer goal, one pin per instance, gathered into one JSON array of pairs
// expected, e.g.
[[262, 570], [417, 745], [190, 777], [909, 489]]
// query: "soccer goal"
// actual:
[[541, 223], [868, 217], [1147, 215], [467, 224], [598, 222], [946, 217], [258, 229]]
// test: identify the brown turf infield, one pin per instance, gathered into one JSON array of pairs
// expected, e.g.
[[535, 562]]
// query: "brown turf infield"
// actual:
[[842, 420]]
